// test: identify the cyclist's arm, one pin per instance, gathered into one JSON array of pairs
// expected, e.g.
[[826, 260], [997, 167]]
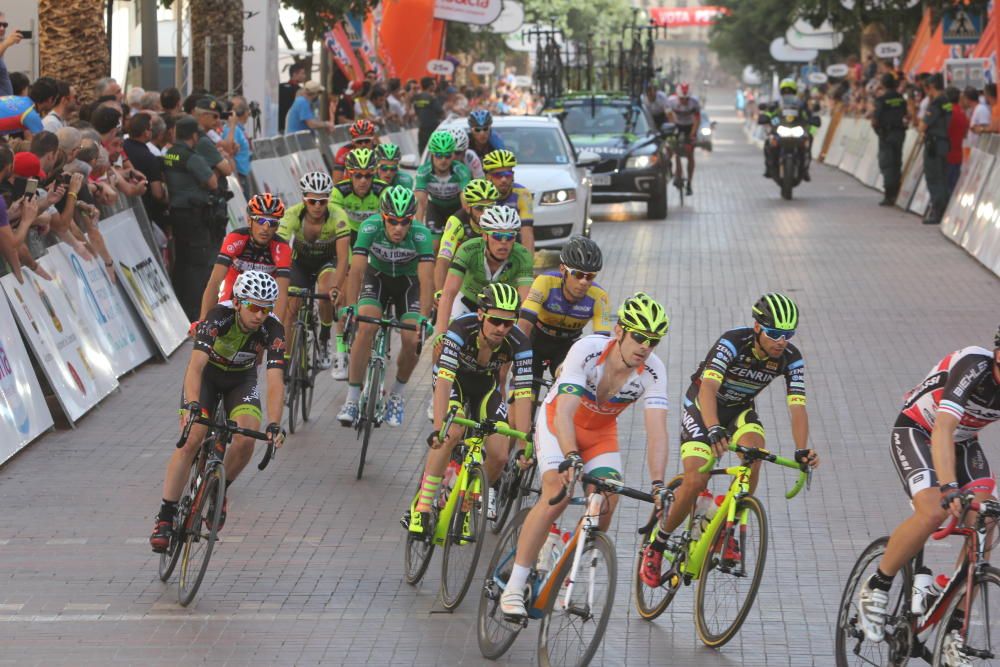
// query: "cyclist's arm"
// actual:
[[449, 293], [421, 196], [528, 239], [192, 377], [523, 379], [943, 446], [451, 346], [359, 264], [531, 306], [211, 294], [425, 276], [708, 401], [526, 211], [601, 320], [800, 425], [275, 394], [282, 301], [441, 266], [566, 406], [343, 246], [656, 442]]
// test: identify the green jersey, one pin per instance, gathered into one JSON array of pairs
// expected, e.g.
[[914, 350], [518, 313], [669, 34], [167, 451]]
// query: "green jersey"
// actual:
[[323, 248], [470, 263], [403, 179], [358, 209], [394, 259], [443, 191]]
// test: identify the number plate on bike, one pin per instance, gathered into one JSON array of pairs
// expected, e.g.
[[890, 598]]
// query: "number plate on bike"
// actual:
[[601, 180]]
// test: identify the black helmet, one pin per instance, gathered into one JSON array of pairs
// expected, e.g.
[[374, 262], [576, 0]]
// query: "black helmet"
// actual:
[[776, 311], [583, 254], [996, 338]]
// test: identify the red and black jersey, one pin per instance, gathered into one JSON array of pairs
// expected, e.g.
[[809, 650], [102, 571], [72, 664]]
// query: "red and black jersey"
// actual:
[[240, 253]]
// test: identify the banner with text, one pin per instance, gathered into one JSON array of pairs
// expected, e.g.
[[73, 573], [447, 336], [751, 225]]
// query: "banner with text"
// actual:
[[23, 412]]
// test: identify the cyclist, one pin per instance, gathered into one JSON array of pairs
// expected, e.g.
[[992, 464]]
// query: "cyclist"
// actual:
[[439, 183], [387, 157], [561, 303], [227, 350], [320, 237], [686, 112], [482, 138], [719, 407], [363, 135], [578, 425], [788, 105], [499, 167], [252, 248], [359, 193], [393, 263], [478, 347], [935, 446], [477, 196], [466, 155]]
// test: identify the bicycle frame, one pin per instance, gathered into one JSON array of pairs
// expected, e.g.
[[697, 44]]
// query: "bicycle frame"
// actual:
[[588, 524], [380, 353], [461, 491], [739, 488]]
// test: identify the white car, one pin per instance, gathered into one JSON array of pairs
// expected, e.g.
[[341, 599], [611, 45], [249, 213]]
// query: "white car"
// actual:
[[547, 166]]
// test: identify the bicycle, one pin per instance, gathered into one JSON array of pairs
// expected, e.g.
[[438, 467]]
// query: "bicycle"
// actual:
[[676, 151], [910, 615], [303, 358], [195, 528], [571, 604], [458, 514], [717, 552]]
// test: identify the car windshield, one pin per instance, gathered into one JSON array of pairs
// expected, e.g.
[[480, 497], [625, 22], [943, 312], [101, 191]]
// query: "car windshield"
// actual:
[[535, 145], [603, 119]]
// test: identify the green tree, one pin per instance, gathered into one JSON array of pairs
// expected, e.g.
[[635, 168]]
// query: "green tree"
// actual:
[[744, 36]]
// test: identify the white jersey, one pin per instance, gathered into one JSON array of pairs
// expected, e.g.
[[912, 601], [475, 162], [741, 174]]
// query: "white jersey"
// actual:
[[684, 110], [474, 164]]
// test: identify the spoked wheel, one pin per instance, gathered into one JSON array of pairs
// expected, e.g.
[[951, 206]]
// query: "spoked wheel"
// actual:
[[308, 379], [508, 489], [464, 542], [731, 574], [851, 647], [528, 493], [200, 531], [418, 551], [497, 634], [294, 383], [970, 637], [571, 635], [651, 602], [373, 389]]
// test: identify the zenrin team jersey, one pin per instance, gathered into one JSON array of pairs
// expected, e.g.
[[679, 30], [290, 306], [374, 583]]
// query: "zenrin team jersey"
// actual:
[[240, 253], [553, 315], [459, 360], [961, 385], [358, 209]]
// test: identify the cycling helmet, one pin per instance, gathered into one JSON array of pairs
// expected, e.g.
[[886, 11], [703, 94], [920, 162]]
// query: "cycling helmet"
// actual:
[[441, 142], [265, 205], [461, 139], [640, 312], [480, 191], [398, 201], [499, 159], [256, 286], [360, 158], [316, 182], [500, 219], [776, 311], [500, 296], [480, 118], [789, 85], [362, 129], [387, 151], [684, 90], [583, 254]]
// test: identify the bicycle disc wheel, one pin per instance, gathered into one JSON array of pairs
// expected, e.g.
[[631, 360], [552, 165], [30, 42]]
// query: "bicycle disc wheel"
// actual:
[[571, 635], [970, 637], [294, 383], [373, 390], [310, 360], [464, 542], [497, 634], [728, 585], [200, 533], [651, 602]]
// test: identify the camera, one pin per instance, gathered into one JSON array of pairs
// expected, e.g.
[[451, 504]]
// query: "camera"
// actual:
[[254, 109]]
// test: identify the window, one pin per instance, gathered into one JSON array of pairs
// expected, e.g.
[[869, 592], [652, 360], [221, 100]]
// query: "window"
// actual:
[[603, 119], [535, 145]]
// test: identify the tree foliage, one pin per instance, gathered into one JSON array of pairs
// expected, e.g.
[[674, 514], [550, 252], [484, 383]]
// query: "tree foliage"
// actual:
[[315, 16], [744, 36]]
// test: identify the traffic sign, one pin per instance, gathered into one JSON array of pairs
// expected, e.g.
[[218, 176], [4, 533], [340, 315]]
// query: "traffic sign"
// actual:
[[889, 50], [961, 26], [782, 52], [484, 68], [440, 67], [837, 71]]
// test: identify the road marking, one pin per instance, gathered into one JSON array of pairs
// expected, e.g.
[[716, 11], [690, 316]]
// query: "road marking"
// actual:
[[66, 540], [11, 607], [187, 618], [85, 606]]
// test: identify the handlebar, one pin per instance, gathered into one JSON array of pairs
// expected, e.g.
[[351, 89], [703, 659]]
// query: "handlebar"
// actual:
[[603, 485], [988, 508], [485, 427], [305, 293], [751, 454], [231, 428]]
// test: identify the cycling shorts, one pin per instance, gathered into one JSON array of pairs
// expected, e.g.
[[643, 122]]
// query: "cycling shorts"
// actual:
[[238, 389], [379, 289], [598, 448], [437, 216], [305, 273], [739, 420], [910, 451], [482, 403]]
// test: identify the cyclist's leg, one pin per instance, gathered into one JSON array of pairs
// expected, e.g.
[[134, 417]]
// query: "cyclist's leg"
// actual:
[[180, 459], [747, 430], [242, 405], [607, 465], [371, 302], [299, 278], [324, 284], [437, 459], [695, 452], [492, 406], [407, 298], [436, 219]]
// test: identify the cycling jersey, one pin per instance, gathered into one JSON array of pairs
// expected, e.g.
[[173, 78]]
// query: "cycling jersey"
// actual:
[[519, 199], [358, 209], [961, 385], [240, 253], [459, 361], [403, 179], [470, 263], [231, 349], [494, 143], [733, 363], [323, 248], [475, 165], [18, 113], [553, 315], [394, 259], [443, 191], [458, 228], [685, 111]]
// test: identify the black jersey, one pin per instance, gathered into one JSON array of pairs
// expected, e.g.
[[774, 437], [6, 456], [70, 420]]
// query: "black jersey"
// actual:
[[459, 356], [231, 349]]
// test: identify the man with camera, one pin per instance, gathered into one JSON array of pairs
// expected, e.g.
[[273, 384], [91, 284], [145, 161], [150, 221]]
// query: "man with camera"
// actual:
[[7, 40], [217, 152]]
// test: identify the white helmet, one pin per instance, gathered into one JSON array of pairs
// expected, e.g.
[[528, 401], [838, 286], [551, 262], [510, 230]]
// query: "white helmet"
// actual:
[[256, 286], [500, 219], [461, 139], [316, 182]]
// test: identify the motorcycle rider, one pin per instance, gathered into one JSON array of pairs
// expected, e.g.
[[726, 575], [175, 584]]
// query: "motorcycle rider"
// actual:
[[785, 105]]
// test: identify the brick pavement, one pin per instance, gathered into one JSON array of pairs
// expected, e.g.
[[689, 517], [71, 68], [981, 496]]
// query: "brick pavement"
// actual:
[[309, 571]]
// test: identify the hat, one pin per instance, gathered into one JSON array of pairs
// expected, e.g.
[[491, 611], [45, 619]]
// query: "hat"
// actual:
[[27, 165], [312, 87], [185, 127], [208, 103]]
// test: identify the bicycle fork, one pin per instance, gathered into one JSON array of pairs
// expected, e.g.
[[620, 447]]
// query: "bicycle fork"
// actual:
[[588, 524]]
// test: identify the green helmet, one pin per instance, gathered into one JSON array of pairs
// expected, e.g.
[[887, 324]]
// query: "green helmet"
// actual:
[[398, 201], [640, 312], [441, 143], [387, 151], [499, 159], [789, 85], [500, 296], [480, 191], [776, 311], [360, 158]]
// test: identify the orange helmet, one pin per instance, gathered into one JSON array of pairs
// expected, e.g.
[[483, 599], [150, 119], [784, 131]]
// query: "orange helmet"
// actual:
[[265, 205], [362, 129]]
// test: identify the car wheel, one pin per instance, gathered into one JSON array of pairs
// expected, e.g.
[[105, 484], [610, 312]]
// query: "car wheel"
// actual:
[[656, 207]]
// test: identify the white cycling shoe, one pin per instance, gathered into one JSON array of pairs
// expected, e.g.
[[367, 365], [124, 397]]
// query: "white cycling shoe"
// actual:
[[512, 605], [873, 604]]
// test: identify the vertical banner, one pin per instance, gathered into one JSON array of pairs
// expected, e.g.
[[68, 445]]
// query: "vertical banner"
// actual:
[[236, 207], [260, 60], [145, 282], [74, 364], [23, 412]]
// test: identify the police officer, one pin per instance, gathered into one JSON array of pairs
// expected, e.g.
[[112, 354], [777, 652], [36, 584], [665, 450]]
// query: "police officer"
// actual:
[[935, 128], [889, 123], [190, 180]]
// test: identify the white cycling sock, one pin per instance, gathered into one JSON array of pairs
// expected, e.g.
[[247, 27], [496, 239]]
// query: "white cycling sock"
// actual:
[[354, 392], [398, 387], [518, 578]]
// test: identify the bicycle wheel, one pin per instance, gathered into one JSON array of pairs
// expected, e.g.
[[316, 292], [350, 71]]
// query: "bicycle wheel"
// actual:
[[850, 645], [651, 602], [310, 360], [294, 381], [200, 532], [728, 586], [169, 558], [508, 490], [419, 548], [373, 391], [528, 493], [571, 635], [497, 634], [966, 634], [464, 542]]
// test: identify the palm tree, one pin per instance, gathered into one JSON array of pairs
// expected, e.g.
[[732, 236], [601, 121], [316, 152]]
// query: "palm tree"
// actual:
[[216, 19], [72, 43]]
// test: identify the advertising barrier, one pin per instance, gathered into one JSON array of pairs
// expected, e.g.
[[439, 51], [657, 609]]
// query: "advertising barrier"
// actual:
[[23, 412], [962, 205]]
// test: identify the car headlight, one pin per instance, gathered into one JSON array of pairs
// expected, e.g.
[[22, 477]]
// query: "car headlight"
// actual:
[[706, 131], [563, 196], [641, 161], [790, 132]]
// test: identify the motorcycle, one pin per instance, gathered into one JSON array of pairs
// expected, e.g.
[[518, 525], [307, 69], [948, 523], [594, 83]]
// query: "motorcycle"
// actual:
[[791, 143]]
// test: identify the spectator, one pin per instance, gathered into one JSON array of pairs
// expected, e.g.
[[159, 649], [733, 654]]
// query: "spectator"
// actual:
[[981, 121], [344, 111], [19, 83], [163, 134], [64, 110], [12, 239], [301, 115], [211, 146], [45, 146], [935, 125], [428, 110], [150, 102], [192, 100], [6, 41], [396, 109], [24, 114], [367, 105], [140, 132], [288, 91], [235, 129], [958, 126], [109, 88], [170, 100], [134, 98]]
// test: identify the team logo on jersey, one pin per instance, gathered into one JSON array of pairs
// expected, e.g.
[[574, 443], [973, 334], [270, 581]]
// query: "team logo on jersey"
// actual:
[[278, 344], [772, 365], [573, 389]]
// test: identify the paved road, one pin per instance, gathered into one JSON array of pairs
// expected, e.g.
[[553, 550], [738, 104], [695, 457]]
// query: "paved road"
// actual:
[[309, 571]]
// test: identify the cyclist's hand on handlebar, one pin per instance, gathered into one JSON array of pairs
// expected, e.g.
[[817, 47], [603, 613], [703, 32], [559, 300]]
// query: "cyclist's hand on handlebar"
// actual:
[[275, 435], [719, 440], [334, 295], [433, 442], [807, 456], [657, 490], [437, 298], [186, 412], [951, 499], [522, 462], [193, 329], [569, 467]]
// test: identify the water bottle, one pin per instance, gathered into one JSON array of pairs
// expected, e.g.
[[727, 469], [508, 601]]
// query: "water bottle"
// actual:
[[713, 508], [546, 555], [701, 506], [923, 584], [447, 483]]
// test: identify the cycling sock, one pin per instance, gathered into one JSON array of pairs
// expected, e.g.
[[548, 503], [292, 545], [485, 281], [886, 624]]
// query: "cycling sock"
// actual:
[[354, 392], [229, 482], [168, 510], [399, 387], [427, 490], [324, 331], [660, 541], [880, 580], [341, 347], [518, 578]]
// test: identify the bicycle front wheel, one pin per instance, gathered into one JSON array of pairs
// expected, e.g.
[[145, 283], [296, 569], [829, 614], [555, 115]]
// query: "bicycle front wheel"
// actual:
[[964, 637], [731, 574], [464, 542], [373, 392], [496, 633], [651, 602], [310, 364], [571, 633], [294, 383], [200, 532], [418, 551], [508, 490]]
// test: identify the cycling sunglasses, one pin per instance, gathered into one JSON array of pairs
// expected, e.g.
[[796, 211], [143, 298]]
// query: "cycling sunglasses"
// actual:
[[317, 202], [363, 174], [481, 129], [642, 338], [502, 174], [270, 222], [443, 155], [256, 307], [397, 221], [388, 167], [500, 321], [582, 275], [503, 236], [479, 208], [778, 334], [362, 140]]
